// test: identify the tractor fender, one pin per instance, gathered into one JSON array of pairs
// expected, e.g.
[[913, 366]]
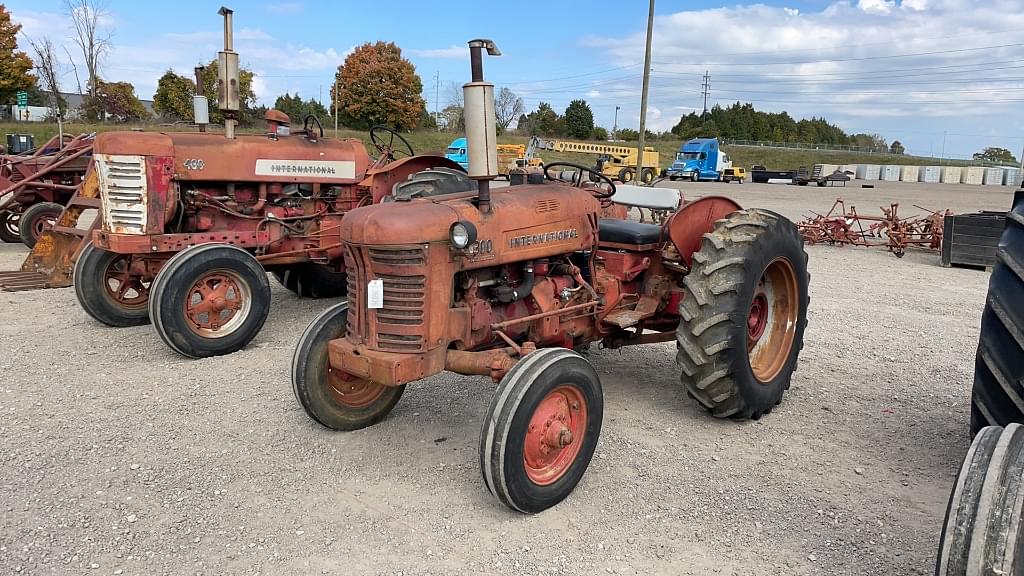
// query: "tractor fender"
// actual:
[[688, 225]]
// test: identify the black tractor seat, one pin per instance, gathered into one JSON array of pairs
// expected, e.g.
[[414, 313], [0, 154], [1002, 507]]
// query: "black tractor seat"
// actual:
[[628, 232]]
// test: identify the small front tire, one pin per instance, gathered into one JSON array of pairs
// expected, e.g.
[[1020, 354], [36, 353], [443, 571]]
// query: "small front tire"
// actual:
[[34, 221], [9, 229], [209, 300], [332, 398], [541, 429], [106, 289]]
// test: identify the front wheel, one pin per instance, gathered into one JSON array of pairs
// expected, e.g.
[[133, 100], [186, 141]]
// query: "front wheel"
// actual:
[[334, 398], [36, 219], [108, 291], [743, 314], [9, 229], [541, 429], [981, 532], [694, 176], [626, 175], [209, 300]]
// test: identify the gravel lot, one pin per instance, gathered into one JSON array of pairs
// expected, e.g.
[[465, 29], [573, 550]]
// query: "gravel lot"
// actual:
[[119, 457]]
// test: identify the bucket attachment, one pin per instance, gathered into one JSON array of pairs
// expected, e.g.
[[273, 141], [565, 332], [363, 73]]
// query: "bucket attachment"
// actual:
[[52, 260]]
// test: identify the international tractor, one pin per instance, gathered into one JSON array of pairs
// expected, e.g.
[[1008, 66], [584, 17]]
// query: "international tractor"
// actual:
[[191, 221], [517, 283]]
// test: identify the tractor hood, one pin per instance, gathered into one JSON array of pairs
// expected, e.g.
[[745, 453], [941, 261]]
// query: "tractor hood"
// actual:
[[247, 158]]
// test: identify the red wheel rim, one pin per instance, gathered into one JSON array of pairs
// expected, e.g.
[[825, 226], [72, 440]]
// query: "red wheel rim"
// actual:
[[771, 320], [124, 287], [555, 435], [351, 391], [217, 304], [42, 223]]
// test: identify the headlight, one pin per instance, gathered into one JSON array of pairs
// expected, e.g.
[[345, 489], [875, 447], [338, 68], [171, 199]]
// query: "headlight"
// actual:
[[462, 234]]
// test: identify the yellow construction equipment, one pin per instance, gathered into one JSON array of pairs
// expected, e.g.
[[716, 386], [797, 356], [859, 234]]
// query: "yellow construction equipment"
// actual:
[[617, 162]]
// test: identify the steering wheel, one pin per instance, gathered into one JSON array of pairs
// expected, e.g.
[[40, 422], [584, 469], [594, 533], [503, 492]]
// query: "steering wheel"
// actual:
[[306, 124], [579, 181], [378, 135]]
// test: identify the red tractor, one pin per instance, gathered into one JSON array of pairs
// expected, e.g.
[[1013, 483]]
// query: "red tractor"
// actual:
[[191, 220], [35, 187], [516, 284]]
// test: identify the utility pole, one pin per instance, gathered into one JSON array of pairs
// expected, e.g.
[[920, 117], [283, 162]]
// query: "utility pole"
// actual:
[[643, 97], [942, 156], [437, 91], [335, 106], [615, 125], [706, 85]]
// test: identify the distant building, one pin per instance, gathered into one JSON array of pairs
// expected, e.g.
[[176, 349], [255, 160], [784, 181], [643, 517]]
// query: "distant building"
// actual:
[[42, 113]]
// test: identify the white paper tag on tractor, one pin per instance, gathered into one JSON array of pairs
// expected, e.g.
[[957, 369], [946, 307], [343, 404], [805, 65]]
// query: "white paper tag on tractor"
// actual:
[[375, 294]]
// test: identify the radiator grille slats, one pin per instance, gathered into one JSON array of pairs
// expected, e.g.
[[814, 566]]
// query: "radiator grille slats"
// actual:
[[123, 191], [399, 325]]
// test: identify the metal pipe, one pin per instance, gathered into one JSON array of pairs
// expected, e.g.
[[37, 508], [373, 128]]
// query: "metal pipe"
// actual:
[[229, 37], [485, 363], [531, 318], [49, 168]]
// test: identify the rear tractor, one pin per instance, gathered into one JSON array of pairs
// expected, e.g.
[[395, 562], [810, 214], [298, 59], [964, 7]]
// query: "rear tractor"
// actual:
[[517, 283], [191, 221]]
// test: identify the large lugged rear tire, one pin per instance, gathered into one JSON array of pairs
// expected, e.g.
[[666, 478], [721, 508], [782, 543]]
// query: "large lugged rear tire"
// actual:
[[311, 280], [982, 531], [998, 395], [744, 311]]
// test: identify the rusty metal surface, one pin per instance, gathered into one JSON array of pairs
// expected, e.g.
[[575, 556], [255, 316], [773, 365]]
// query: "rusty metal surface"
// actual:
[[841, 226], [693, 219]]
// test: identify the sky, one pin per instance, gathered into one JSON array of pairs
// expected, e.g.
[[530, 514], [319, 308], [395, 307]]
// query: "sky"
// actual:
[[945, 77]]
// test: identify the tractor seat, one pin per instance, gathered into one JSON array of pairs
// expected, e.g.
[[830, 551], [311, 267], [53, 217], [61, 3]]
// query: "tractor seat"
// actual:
[[628, 232]]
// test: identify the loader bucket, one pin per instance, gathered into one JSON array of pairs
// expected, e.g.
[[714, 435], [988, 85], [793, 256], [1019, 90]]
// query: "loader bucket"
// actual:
[[52, 260]]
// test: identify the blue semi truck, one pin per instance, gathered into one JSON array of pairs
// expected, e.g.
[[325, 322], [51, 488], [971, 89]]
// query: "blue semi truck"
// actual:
[[699, 159]]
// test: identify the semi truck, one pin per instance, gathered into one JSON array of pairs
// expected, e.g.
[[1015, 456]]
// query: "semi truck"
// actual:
[[699, 159]]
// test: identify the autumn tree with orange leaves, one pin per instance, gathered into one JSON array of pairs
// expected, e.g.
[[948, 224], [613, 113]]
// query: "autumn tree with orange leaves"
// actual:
[[15, 65], [377, 86]]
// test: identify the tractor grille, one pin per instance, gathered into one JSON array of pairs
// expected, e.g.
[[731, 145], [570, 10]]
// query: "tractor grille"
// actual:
[[399, 325], [122, 182]]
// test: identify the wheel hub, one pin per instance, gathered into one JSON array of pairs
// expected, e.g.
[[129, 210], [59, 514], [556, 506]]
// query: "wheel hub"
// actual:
[[218, 303], [352, 391], [126, 288], [771, 320], [758, 318], [552, 436]]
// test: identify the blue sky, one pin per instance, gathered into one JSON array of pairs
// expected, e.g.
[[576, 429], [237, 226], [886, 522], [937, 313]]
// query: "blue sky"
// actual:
[[923, 71]]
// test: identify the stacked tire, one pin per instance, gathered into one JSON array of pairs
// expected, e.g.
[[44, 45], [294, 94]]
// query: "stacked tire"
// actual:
[[998, 395]]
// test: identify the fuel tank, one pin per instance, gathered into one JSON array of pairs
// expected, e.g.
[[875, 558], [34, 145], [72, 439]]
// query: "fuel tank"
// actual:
[[525, 222], [211, 157]]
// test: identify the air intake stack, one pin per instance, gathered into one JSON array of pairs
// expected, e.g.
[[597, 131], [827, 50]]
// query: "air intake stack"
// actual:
[[481, 127]]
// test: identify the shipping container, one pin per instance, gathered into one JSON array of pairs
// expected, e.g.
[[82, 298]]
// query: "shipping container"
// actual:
[[868, 171], [930, 174], [1011, 177], [973, 175], [889, 173], [854, 169], [993, 177], [950, 174], [909, 173]]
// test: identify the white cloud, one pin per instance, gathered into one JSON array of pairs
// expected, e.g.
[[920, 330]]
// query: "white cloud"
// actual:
[[594, 94], [876, 6], [792, 11], [917, 5], [451, 52]]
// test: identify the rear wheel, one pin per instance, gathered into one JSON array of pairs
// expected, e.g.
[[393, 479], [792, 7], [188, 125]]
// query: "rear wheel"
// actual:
[[541, 429], [35, 219], [744, 311], [982, 531], [647, 175], [108, 291], [333, 398], [998, 395], [311, 280], [626, 175], [209, 300]]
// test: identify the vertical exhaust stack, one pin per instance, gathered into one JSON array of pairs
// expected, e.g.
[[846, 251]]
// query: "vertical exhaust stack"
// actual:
[[481, 127], [227, 76]]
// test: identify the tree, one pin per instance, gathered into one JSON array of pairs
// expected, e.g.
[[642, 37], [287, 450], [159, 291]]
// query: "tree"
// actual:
[[298, 109], [628, 134], [994, 154], [378, 86], [49, 77], [173, 98], [507, 108], [599, 133], [544, 121], [897, 148], [114, 101], [86, 17], [15, 65], [579, 119], [452, 119]]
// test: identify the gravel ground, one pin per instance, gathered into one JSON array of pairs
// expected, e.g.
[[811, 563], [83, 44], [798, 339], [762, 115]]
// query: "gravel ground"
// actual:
[[119, 457]]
